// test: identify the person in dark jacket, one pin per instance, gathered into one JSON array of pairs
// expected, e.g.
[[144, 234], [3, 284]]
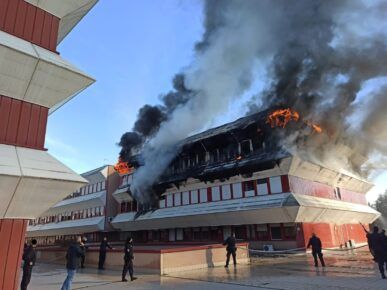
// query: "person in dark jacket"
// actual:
[[29, 258], [315, 242], [74, 253], [84, 249], [128, 260], [230, 242], [376, 242], [102, 253]]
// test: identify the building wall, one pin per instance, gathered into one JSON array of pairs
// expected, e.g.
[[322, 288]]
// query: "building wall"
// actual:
[[112, 207], [312, 188], [12, 232], [26, 21], [22, 123], [333, 235]]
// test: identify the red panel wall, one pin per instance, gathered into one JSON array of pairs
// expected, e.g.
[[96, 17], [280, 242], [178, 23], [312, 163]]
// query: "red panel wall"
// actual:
[[307, 187], [12, 233], [333, 235], [22, 123], [30, 23]]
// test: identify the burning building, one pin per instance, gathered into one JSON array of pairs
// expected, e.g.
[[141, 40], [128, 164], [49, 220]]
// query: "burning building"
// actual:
[[233, 178], [237, 178]]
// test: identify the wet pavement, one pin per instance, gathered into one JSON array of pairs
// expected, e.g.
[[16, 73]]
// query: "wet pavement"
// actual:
[[345, 270]]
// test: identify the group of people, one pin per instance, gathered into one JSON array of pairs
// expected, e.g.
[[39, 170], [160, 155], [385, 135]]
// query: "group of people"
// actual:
[[77, 251], [75, 257], [377, 242]]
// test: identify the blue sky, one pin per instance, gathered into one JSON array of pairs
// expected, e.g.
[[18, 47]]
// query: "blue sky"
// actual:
[[133, 49]]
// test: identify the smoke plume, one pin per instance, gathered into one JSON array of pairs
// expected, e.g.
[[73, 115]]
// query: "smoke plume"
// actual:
[[317, 56]]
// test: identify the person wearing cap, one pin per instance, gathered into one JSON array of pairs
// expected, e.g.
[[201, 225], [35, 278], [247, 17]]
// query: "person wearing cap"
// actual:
[[29, 258], [128, 260]]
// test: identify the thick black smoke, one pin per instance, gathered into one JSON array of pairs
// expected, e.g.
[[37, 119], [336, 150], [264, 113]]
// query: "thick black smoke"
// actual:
[[318, 55], [149, 118]]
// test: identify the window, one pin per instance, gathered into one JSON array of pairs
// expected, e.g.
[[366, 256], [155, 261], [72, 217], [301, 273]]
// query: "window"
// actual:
[[196, 234], [290, 231], [226, 191], [240, 232], [202, 157], [262, 232], [250, 232], [162, 203], [337, 193], [172, 235], [249, 188], [179, 234], [177, 199], [246, 147], [194, 196], [185, 197], [215, 193], [187, 234], [275, 231], [275, 184], [262, 187], [169, 200], [205, 235], [203, 195], [237, 190]]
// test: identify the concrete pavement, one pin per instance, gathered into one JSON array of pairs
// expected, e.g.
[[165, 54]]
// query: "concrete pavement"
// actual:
[[345, 270]]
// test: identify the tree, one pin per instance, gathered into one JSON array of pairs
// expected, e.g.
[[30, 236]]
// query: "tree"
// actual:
[[381, 206]]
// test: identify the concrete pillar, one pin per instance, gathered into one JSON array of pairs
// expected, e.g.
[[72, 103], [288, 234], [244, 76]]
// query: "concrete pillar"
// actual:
[[12, 232]]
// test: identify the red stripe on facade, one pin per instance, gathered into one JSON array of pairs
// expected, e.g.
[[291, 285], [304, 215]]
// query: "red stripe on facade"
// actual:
[[285, 183], [30, 23], [312, 188], [268, 185], [22, 124]]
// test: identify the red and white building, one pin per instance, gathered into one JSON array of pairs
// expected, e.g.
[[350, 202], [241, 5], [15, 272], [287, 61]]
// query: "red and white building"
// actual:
[[231, 179], [34, 81]]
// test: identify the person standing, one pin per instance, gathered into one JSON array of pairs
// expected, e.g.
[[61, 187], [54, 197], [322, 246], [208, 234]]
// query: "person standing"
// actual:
[[376, 242], [29, 258], [84, 249], [315, 242], [74, 253], [128, 260], [230, 242], [102, 253]]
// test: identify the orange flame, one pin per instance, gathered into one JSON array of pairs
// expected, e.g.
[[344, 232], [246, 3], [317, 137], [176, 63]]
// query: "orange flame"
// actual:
[[122, 167], [281, 117]]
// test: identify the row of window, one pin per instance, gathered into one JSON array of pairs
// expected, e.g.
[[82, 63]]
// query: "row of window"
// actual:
[[227, 152], [262, 232], [74, 215], [58, 240], [272, 185], [89, 189]]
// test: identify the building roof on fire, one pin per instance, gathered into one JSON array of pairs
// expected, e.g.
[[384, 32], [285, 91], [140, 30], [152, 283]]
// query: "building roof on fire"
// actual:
[[240, 123]]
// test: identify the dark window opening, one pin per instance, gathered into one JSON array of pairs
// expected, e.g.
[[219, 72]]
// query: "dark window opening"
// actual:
[[275, 231], [290, 232], [248, 185], [246, 147], [262, 233]]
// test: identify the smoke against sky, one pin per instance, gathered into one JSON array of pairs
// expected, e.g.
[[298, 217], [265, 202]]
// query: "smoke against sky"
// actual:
[[317, 56]]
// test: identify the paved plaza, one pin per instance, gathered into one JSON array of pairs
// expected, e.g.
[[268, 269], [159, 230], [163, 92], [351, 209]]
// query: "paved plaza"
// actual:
[[344, 271]]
